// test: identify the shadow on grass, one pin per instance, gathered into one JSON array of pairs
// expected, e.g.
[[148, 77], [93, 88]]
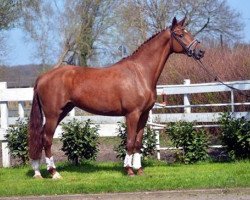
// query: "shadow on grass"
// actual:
[[93, 167], [90, 167], [83, 168]]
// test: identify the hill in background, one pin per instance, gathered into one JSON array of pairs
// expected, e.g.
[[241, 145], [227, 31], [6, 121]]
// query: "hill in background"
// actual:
[[21, 75]]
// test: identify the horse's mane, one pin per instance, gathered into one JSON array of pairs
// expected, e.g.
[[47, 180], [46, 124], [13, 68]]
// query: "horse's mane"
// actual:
[[144, 43]]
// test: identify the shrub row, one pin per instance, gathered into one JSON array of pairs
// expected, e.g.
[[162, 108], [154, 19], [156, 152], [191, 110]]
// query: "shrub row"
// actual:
[[80, 140], [148, 142], [194, 142]]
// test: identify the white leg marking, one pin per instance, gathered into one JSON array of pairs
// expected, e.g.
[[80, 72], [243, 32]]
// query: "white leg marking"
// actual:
[[137, 161], [35, 166], [50, 162], [128, 160]]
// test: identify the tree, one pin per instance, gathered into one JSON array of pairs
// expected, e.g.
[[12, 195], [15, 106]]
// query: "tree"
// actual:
[[69, 28], [205, 18], [210, 17], [85, 24], [80, 31], [9, 13], [3, 49], [133, 27], [40, 22]]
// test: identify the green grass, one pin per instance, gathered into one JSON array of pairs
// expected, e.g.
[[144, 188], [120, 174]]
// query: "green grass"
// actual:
[[93, 177]]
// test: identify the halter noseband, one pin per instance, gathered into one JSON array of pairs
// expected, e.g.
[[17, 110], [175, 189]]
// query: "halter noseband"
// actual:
[[190, 48]]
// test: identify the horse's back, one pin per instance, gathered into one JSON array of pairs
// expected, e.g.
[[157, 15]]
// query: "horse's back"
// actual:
[[114, 90], [93, 89]]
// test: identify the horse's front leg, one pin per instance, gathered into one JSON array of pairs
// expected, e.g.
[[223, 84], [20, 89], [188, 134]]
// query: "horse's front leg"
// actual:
[[132, 123], [138, 143]]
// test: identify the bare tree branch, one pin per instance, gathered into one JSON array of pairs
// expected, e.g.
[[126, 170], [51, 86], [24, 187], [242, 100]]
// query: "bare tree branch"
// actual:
[[202, 28]]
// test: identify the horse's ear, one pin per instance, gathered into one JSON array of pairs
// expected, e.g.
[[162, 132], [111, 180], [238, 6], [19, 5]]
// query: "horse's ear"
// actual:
[[174, 23], [182, 22]]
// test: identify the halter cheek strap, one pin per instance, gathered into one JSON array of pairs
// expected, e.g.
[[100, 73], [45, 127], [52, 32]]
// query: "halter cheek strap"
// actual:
[[190, 48]]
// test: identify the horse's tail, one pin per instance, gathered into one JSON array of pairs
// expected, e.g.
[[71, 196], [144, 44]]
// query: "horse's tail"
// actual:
[[35, 128]]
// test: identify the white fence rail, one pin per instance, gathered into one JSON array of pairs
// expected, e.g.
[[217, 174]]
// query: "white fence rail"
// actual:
[[108, 125]]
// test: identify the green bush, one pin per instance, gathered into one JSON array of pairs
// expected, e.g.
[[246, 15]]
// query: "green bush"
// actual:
[[148, 142], [80, 140], [122, 134], [193, 142], [235, 136], [17, 138]]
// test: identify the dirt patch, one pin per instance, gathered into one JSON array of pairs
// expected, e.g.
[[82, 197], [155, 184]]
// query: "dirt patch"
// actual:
[[106, 153]]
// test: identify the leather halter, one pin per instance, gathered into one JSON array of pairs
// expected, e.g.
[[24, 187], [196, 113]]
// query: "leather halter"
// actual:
[[190, 48]]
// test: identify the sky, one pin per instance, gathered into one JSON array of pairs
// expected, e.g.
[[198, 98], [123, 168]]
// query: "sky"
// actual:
[[243, 7], [22, 52]]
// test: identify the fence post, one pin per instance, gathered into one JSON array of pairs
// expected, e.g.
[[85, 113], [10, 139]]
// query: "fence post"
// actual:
[[72, 113], [232, 100], [150, 116], [186, 98], [4, 126], [21, 109], [157, 132]]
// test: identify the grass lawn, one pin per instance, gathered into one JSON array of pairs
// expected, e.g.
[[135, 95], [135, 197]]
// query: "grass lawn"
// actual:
[[93, 177]]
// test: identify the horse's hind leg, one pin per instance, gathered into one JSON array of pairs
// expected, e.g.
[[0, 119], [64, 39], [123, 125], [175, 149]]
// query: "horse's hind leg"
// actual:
[[48, 132], [132, 123], [138, 143]]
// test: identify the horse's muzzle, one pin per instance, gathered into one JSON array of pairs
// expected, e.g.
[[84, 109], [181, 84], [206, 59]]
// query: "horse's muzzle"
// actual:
[[198, 54]]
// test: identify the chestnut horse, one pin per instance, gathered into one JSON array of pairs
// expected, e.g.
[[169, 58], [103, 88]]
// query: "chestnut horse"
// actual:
[[127, 88]]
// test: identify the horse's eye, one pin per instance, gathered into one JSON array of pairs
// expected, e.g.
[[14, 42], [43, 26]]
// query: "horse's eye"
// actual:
[[181, 35]]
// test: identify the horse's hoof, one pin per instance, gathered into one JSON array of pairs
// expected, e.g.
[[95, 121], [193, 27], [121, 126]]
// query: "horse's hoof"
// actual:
[[56, 176], [129, 171], [140, 172], [37, 176]]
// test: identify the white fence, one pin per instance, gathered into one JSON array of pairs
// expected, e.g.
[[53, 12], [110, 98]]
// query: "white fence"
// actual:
[[210, 118], [108, 125]]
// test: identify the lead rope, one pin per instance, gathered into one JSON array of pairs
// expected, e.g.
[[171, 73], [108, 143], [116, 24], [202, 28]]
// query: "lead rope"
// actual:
[[216, 78]]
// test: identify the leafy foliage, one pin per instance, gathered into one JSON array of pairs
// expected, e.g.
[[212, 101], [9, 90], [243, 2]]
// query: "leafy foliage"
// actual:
[[17, 138], [148, 142], [9, 13], [80, 140], [193, 142], [122, 134], [235, 136]]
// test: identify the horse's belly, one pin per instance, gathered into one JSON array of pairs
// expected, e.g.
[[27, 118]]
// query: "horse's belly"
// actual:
[[101, 105]]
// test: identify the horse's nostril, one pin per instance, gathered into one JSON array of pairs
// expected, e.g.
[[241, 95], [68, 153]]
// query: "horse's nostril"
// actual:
[[198, 54], [201, 53]]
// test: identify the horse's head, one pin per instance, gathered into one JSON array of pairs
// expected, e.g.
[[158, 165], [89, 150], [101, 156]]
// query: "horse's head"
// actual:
[[183, 41]]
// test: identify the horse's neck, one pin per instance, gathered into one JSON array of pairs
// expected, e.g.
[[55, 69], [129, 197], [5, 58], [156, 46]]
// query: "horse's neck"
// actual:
[[152, 56]]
